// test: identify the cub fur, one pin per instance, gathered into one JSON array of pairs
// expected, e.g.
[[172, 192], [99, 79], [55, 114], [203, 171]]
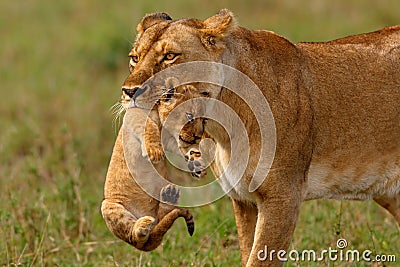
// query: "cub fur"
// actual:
[[130, 213]]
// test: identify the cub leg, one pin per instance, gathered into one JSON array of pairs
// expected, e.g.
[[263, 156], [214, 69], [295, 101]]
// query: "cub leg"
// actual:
[[246, 218], [144, 127], [145, 233], [164, 225], [196, 164], [391, 204], [151, 146], [170, 195], [167, 215], [125, 225]]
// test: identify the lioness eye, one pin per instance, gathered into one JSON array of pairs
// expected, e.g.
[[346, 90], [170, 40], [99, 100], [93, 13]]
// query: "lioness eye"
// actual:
[[169, 56], [135, 59]]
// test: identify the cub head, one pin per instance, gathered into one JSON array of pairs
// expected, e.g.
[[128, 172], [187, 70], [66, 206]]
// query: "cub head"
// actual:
[[182, 110], [163, 42]]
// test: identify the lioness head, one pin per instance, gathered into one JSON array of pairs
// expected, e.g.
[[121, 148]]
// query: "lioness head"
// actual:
[[162, 42]]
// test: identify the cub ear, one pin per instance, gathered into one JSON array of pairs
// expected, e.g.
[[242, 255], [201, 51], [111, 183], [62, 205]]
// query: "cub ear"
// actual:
[[171, 83], [151, 19], [218, 26]]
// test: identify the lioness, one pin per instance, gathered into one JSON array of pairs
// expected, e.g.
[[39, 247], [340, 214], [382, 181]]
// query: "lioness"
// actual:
[[336, 107], [130, 213]]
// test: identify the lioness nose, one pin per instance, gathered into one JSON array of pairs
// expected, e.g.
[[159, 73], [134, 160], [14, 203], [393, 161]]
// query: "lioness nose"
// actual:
[[130, 92]]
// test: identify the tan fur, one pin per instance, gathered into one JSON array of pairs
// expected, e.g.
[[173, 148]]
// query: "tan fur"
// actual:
[[192, 130], [130, 213], [336, 109]]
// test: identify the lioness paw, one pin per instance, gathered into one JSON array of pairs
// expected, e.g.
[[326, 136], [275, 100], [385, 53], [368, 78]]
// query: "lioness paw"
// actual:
[[143, 228], [170, 194], [196, 164]]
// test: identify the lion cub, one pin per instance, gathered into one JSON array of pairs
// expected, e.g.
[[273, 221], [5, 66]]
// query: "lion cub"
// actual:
[[192, 132], [130, 213]]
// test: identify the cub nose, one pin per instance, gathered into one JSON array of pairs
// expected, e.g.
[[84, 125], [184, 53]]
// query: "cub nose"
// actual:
[[189, 116], [130, 92]]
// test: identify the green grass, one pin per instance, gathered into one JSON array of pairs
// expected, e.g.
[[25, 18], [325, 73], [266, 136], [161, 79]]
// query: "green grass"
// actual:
[[62, 63]]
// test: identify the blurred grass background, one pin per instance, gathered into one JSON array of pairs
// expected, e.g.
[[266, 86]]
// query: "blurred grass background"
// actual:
[[62, 64]]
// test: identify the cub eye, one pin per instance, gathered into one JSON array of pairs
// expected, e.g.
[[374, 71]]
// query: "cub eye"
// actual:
[[205, 94], [169, 56], [166, 97]]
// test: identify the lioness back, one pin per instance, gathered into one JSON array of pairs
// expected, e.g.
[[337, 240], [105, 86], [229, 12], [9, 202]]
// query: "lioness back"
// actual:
[[356, 115]]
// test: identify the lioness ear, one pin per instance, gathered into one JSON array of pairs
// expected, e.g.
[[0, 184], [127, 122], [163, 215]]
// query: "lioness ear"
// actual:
[[217, 27], [151, 19]]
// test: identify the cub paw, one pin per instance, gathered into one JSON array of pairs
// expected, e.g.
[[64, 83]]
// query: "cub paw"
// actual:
[[143, 227], [196, 164], [170, 194], [154, 152]]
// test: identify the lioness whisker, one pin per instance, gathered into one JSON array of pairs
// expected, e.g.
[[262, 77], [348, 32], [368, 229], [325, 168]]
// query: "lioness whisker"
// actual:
[[116, 107], [117, 110]]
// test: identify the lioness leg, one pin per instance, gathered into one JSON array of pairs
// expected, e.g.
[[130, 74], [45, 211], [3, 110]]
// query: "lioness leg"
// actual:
[[391, 204], [246, 218], [278, 209], [274, 230]]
